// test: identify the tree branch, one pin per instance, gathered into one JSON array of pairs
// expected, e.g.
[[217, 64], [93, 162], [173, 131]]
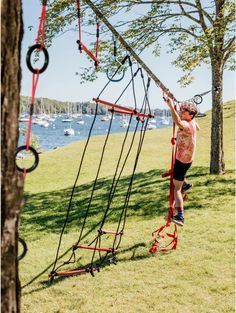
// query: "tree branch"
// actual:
[[230, 47]]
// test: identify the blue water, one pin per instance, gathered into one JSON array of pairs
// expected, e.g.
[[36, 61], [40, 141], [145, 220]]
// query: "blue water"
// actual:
[[53, 136]]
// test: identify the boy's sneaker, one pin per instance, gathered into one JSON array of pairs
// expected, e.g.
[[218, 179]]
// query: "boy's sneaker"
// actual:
[[186, 186], [178, 220]]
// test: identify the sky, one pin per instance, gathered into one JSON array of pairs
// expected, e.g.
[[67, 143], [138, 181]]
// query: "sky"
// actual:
[[60, 81]]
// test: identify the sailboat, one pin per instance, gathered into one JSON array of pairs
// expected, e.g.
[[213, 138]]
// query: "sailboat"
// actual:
[[69, 131], [151, 126], [165, 119], [107, 117], [80, 116], [124, 122], [68, 118]]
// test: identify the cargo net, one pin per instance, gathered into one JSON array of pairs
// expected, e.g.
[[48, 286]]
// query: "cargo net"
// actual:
[[98, 242]]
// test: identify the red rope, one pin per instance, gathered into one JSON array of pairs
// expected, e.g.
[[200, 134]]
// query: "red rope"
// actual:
[[35, 77], [41, 29], [158, 234], [82, 46]]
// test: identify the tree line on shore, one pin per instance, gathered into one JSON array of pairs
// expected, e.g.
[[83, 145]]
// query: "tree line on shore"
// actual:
[[51, 106]]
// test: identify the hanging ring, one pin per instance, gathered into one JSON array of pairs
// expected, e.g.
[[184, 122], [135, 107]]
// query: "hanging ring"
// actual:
[[36, 158], [197, 99], [112, 72], [28, 58], [25, 249]]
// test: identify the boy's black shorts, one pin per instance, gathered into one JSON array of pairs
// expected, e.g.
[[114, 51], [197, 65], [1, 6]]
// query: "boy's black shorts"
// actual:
[[180, 169]]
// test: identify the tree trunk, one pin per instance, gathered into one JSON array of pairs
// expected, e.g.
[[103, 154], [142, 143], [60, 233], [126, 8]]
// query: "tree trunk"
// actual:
[[12, 181], [217, 165]]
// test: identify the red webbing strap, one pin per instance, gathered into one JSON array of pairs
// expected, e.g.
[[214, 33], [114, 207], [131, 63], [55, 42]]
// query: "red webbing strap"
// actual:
[[41, 29], [35, 77], [171, 199], [82, 46], [158, 234]]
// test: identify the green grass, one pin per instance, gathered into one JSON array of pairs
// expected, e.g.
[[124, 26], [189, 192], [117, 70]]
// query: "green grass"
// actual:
[[197, 277]]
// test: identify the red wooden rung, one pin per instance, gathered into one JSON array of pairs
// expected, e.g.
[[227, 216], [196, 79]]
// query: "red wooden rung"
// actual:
[[74, 272], [89, 53], [129, 113], [113, 105], [24, 120], [94, 248]]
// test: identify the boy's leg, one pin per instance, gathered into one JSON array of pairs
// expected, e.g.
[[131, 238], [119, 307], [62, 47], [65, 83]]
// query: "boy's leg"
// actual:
[[179, 203]]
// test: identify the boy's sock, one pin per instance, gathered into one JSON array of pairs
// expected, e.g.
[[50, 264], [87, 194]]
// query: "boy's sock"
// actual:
[[180, 212]]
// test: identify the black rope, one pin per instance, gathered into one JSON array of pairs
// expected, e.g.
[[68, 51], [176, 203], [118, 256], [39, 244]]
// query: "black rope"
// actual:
[[97, 239], [125, 207], [73, 189], [75, 183]]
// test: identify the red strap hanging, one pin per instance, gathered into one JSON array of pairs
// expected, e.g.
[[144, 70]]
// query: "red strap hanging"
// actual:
[[41, 29], [81, 45], [159, 234], [35, 75]]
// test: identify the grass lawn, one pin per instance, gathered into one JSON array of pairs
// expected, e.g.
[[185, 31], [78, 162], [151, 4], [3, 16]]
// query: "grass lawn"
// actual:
[[196, 278]]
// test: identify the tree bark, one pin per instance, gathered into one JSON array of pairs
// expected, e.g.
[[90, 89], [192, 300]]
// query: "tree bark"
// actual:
[[217, 164], [12, 181]]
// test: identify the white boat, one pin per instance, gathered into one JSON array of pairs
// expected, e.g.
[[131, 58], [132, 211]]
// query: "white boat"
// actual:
[[124, 123], [80, 122], [152, 121], [165, 121], [42, 123], [67, 120], [105, 118], [151, 126], [69, 131]]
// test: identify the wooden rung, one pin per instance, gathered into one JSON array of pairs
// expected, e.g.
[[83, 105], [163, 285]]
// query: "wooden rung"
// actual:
[[75, 272], [24, 120], [110, 232], [114, 105], [89, 53], [95, 248], [129, 113]]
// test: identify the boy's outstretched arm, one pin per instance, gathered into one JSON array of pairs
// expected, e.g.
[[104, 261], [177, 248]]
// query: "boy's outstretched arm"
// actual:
[[175, 116]]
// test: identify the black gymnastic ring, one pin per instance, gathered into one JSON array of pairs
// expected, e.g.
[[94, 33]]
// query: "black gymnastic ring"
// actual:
[[28, 58], [25, 249], [197, 99], [36, 156], [115, 80]]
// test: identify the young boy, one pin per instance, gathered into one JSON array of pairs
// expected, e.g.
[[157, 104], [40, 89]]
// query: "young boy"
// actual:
[[185, 149]]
